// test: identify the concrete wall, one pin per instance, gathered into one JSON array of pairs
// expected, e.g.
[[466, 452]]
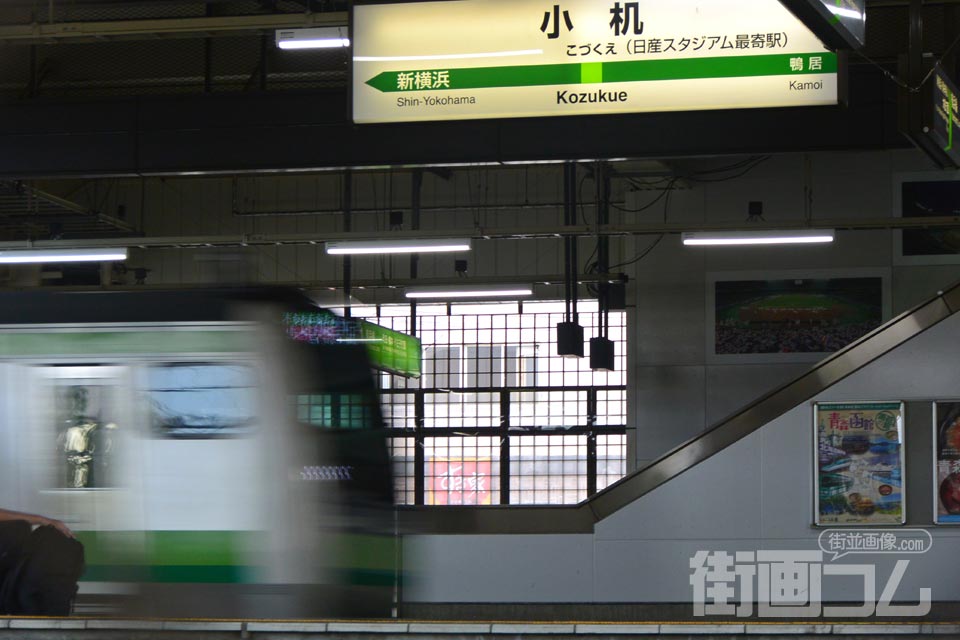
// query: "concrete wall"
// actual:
[[678, 387], [754, 495]]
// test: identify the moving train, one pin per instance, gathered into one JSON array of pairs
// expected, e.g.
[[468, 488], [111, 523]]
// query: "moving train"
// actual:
[[212, 464]]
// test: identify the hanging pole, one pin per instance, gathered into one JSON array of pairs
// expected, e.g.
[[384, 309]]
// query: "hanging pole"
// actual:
[[415, 197], [347, 203], [569, 332]]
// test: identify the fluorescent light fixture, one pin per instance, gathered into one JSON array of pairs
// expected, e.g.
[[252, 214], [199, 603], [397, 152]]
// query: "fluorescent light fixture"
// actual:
[[471, 291], [34, 256], [315, 38], [451, 56], [726, 238], [432, 245]]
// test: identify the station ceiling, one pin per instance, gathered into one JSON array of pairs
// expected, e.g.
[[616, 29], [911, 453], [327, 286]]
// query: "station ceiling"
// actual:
[[171, 87]]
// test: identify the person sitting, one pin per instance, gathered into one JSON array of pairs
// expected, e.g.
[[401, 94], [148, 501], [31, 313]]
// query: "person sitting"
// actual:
[[39, 567], [32, 519]]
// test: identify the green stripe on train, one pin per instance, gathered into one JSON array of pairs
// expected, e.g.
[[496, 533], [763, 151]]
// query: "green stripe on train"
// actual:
[[17, 343], [169, 556], [221, 556], [172, 548], [168, 573], [220, 575]]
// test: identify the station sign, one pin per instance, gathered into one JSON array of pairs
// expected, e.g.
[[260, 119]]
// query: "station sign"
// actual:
[[944, 126], [468, 59], [388, 350]]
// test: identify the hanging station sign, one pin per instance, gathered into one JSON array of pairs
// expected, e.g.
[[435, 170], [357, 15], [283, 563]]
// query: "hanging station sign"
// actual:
[[944, 127], [466, 59], [388, 350]]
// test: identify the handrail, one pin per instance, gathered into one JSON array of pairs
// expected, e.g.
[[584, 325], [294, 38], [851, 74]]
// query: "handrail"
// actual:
[[745, 421]]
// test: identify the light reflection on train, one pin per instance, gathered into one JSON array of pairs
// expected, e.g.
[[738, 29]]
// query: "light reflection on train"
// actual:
[[211, 466]]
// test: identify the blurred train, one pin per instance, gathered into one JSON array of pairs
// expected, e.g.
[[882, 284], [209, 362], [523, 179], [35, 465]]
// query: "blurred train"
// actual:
[[212, 465]]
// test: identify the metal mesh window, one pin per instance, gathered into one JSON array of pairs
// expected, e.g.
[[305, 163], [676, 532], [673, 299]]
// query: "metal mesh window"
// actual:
[[548, 409], [611, 458], [461, 410], [399, 411], [495, 393], [611, 407], [402, 454], [548, 469]]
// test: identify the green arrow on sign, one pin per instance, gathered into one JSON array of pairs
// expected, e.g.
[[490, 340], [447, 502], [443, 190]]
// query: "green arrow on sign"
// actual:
[[780, 64]]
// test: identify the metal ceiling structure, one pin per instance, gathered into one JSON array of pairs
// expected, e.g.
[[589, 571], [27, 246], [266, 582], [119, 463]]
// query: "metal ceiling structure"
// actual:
[[29, 212], [103, 88]]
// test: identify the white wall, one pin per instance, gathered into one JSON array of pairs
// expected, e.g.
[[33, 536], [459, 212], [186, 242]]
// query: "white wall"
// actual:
[[757, 494], [678, 388]]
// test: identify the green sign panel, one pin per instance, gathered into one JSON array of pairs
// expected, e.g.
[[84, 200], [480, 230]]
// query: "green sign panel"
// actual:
[[391, 350], [605, 72], [388, 350]]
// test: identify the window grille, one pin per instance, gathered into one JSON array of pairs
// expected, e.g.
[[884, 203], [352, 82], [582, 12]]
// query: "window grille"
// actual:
[[497, 416]]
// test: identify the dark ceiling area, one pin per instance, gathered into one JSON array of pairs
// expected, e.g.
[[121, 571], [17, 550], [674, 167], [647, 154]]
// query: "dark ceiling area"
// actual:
[[87, 48], [111, 88]]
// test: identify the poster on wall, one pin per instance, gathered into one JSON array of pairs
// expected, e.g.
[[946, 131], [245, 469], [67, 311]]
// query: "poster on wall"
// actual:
[[859, 467], [793, 316], [946, 435], [465, 481], [933, 194]]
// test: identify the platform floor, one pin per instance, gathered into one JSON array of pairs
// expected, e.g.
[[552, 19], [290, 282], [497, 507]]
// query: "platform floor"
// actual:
[[91, 628]]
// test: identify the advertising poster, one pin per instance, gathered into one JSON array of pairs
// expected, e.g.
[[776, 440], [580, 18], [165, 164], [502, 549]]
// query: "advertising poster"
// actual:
[[946, 426], [462, 481], [859, 469], [796, 315]]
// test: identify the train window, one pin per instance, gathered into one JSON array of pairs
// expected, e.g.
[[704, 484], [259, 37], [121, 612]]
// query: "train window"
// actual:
[[202, 400], [338, 410], [85, 415]]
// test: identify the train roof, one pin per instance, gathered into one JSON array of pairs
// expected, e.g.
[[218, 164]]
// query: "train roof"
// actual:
[[174, 305]]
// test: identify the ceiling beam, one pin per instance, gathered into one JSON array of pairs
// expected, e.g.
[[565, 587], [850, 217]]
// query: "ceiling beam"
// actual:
[[482, 233], [237, 133], [43, 33]]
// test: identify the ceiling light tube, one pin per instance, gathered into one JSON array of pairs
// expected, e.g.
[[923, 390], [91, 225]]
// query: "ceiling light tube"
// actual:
[[35, 256], [735, 238], [433, 245], [315, 38], [470, 291]]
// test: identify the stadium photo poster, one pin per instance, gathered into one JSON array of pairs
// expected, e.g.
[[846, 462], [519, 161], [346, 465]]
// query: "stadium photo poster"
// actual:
[[859, 463], [946, 476], [799, 317]]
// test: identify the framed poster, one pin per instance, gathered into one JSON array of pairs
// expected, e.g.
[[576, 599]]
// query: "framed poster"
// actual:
[[946, 462], [859, 463], [922, 195], [792, 316]]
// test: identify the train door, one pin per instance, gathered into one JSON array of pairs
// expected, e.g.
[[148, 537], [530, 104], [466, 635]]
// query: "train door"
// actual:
[[82, 440]]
